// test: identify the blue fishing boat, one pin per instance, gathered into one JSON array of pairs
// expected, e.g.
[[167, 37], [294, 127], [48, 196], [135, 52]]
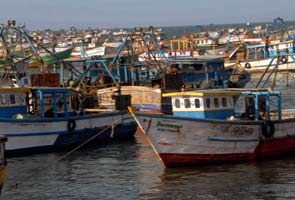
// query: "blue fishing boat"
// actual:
[[207, 127], [45, 119], [146, 84]]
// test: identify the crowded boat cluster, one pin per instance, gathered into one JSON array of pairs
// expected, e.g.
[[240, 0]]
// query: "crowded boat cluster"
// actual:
[[189, 95]]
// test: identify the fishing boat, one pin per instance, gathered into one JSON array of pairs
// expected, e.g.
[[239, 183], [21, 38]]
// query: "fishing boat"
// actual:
[[256, 58], [41, 119], [143, 97], [97, 51], [50, 58], [146, 84], [218, 126], [3, 139]]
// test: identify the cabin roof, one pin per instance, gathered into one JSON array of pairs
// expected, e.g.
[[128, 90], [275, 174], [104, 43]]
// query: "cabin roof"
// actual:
[[9, 90], [53, 89], [202, 58], [222, 92], [201, 93]]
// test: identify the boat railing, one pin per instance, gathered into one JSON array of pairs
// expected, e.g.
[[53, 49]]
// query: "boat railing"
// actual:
[[286, 114]]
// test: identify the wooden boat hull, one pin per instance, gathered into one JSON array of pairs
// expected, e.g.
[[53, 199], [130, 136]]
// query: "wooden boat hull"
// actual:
[[183, 141], [50, 59], [30, 135], [142, 97]]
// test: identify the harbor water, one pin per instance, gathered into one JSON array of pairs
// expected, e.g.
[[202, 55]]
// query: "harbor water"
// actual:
[[131, 170]]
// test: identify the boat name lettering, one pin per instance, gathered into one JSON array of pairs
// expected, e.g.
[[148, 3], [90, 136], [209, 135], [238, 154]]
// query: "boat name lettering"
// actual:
[[166, 125], [241, 131]]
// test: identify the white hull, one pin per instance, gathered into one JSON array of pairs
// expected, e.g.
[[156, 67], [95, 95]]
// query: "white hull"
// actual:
[[181, 141], [261, 65], [27, 133]]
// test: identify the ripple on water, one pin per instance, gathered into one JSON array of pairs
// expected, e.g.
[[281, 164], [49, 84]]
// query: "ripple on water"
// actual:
[[130, 170]]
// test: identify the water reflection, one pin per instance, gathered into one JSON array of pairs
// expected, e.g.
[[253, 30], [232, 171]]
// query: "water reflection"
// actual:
[[270, 179], [131, 170]]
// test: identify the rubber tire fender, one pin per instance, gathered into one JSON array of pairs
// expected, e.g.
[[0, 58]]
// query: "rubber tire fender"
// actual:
[[268, 129], [71, 125], [247, 65], [283, 59]]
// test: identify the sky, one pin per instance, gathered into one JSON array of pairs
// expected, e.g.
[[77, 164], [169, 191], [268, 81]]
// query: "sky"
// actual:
[[58, 14]]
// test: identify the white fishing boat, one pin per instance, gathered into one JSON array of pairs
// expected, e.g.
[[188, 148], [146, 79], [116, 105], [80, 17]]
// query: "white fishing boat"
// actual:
[[143, 97], [207, 128], [80, 52], [45, 119], [256, 58]]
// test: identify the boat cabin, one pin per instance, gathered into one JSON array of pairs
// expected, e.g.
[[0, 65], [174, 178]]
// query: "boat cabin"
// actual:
[[222, 104], [12, 101], [201, 72], [51, 102], [41, 102], [216, 104]]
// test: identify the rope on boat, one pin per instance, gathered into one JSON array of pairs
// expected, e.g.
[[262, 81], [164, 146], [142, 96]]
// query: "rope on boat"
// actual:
[[113, 129], [84, 143], [131, 111], [62, 157]]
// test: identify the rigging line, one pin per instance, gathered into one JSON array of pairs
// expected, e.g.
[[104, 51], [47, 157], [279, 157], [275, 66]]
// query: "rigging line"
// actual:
[[78, 147]]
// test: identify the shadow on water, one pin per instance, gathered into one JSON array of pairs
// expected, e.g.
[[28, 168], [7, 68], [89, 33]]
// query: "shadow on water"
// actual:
[[131, 170], [268, 179], [82, 174]]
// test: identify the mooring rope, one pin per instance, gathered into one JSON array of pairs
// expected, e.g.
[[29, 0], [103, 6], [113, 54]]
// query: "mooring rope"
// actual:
[[64, 156], [84, 143]]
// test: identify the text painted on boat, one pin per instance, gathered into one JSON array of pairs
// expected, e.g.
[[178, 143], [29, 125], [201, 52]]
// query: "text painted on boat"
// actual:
[[168, 126]]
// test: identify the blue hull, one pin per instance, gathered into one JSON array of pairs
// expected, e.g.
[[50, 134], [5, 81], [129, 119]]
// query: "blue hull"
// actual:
[[70, 140]]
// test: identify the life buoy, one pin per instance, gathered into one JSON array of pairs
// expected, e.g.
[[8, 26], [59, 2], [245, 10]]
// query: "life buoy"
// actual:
[[248, 66], [268, 129], [71, 125], [284, 59]]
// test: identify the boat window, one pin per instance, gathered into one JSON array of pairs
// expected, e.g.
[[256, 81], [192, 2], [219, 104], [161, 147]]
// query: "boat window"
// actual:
[[197, 103], [229, 102], [208, 103], [187, 103], [216, 102], [177, 103], [12, 99], [224, 102], [3, 99], [19, 99]]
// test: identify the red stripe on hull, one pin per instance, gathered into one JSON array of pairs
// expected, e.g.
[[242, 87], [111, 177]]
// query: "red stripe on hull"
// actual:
[[179, 160], [266, 148]]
